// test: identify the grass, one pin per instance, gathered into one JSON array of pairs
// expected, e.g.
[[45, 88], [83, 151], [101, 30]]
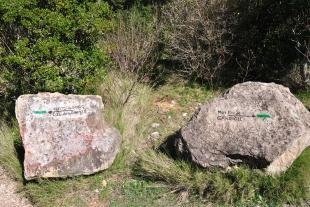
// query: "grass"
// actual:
[[239, 186], [131, 115], [9, 157], [127, 107], [304, 97], [143, 176], [132, 192]]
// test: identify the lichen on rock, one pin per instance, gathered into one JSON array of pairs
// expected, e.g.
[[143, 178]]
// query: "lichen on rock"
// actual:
[[64, 135], [262, 125]]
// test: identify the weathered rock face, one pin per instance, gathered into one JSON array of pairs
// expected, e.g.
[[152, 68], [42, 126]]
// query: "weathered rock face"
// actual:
[[260, 124], [64, 135]]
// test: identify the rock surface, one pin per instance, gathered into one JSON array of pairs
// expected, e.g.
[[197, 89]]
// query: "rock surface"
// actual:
[[64, 135], [260, 124]]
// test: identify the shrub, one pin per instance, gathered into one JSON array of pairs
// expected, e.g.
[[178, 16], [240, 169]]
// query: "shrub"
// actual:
[[227, 41], [267, 37], [199, 36], [133, 42], [50, 45]]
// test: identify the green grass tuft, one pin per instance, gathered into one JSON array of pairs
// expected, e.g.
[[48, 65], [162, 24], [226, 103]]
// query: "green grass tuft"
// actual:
[[304, 97], [140, 176], [10, 146], [239, 186], [127, 107]]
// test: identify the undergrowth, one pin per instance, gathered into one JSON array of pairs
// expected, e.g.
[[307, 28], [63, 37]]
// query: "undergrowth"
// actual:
[[237, 186], [304, 97], [10, 145], [141, 176]]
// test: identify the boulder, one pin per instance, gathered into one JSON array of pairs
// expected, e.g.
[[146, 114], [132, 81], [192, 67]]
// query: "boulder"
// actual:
[[64, 135], [259, 124]]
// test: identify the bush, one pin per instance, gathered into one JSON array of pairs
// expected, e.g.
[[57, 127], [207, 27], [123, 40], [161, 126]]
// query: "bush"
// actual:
[[50, 46], [227, 41], [133, 42], [269, 38], [199, 36]]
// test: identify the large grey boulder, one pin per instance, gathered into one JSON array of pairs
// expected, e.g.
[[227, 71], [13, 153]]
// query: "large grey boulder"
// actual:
[[260, 124], [64, 135]]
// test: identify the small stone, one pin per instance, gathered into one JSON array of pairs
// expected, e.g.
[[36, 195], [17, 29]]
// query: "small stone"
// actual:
[[155, 135], [184, 114], [155, 125], [169, 117], [104, 183], [198, 106], [183, 197], [97, 191]]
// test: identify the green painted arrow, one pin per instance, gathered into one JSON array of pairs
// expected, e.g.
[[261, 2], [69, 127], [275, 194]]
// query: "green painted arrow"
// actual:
[[263, 115], [40, 112]]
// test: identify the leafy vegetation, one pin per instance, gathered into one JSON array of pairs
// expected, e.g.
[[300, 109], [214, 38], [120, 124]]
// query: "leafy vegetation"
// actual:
[[133, 44], [50, 46], [164, 59]]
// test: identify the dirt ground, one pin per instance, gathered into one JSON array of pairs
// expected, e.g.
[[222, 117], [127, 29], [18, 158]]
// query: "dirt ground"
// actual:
[[8, 195]]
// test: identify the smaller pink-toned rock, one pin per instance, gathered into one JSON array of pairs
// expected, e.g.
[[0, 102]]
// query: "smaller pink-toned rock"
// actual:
[[64, 135]]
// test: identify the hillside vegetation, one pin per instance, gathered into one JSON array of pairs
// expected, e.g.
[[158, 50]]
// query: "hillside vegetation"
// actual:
[[153, 62]]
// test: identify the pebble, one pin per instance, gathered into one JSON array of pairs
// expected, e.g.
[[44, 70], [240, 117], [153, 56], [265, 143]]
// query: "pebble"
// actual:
[[155, 135], [155, 125]]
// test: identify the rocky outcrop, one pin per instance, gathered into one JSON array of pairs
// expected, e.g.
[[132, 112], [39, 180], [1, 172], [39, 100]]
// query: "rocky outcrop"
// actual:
[[64, 135], [259, 124]]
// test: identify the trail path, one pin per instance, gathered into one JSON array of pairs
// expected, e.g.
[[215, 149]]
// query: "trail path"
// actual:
[[8, 195]]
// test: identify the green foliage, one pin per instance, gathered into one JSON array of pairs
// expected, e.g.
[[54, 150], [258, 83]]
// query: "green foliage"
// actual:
[[133, 42], [128, 4], [50, 45], [304, 97], [47, 193]]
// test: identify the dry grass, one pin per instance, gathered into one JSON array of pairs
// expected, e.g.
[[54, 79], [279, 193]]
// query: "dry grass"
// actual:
[[128, 108], [9, 141], [132, 108], [238, 187]]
